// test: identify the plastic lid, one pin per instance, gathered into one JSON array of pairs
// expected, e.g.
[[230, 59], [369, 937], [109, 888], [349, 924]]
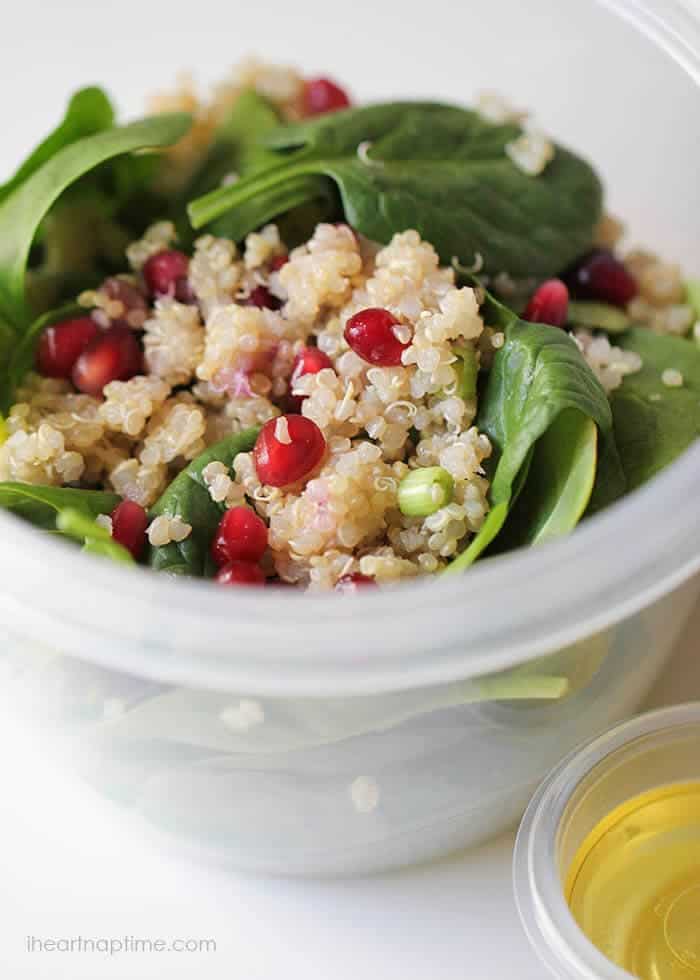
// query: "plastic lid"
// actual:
[[655, 749]]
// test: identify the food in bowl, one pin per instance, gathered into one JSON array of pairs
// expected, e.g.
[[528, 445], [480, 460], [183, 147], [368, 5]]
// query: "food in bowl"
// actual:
[[326, 346]]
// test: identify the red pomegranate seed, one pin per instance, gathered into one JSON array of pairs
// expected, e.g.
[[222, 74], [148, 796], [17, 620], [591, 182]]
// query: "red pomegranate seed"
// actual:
[[114, 355], [129, 523], [599, 275], [134, 308], [354, 582], [549, 304], [371, 335], [240, 536], [322, 95], [287, 449], [309, 360], [241, 573], [263, 299], [164, 270], [184, 293], [61, 344], [278, 262]]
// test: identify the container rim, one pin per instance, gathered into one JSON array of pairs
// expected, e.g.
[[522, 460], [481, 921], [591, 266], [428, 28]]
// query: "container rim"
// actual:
[[548, 923], [451, 628]]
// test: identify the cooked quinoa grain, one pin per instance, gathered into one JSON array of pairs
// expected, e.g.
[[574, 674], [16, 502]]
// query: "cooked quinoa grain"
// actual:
[[672, 378]]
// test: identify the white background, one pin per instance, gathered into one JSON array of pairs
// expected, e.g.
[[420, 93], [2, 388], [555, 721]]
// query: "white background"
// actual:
[[67, 865]]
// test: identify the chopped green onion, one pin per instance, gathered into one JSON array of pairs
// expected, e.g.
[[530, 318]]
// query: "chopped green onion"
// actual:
[[96, 540], [467, 371], [692, 295], [598, 316], [425, 490]]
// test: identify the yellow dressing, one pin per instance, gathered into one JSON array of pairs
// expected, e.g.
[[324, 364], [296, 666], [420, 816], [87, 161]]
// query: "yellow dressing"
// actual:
[[634, 885]]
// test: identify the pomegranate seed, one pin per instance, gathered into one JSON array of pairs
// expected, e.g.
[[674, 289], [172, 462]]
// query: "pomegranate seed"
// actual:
[[371, 335], [287, 449], [164, 270], [241, 573], [184, 293], [240, 536], [599, 275], [354, 582], [549, 304], [309, 360], [124, 294], [278, 262], [263, 299], [322, 95], [61, 344], [129, 523], [114, 355]]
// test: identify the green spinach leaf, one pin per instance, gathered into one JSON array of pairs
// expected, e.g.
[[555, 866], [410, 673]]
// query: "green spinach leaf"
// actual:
[[559, 484], [42, 505], [23, 210], [89, 111], [187, 497], [237, 147], [655, 424], [437, 168], [536, 376]]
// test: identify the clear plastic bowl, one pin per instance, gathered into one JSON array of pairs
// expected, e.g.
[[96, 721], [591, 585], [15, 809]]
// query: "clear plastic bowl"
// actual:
[[322, 734], [656, 749]]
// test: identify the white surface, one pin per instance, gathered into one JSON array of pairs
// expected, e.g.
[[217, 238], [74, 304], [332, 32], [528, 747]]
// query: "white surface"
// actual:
[[68, 868]]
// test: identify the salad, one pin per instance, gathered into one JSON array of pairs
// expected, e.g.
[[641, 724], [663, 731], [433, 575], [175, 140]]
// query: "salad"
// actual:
[[271, 337]]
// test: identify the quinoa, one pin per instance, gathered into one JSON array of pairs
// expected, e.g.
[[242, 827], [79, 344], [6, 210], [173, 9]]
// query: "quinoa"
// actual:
[[610, 364], [672, 378], [661, 302], [531, 152], [236, 362], [165, 530]]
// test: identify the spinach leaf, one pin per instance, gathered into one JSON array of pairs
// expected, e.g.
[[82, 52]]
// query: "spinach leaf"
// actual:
[[437, 168], [23, 210], [655, 424], [8, 339], [84, 235], [559, 483], [536, 376], [89, 111], [42, 505], [237, 146], [188, 497], [20, 359]]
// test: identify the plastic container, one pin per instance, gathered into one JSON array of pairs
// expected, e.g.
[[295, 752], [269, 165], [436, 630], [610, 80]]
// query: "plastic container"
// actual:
[[341, 734], [654, 750]]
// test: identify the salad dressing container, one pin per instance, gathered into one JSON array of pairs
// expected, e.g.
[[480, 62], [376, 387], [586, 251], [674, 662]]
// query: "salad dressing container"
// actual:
[[607, 860]]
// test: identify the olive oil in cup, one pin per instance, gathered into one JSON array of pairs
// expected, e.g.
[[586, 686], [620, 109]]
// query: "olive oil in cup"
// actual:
[[607, 860], [634, 886]]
